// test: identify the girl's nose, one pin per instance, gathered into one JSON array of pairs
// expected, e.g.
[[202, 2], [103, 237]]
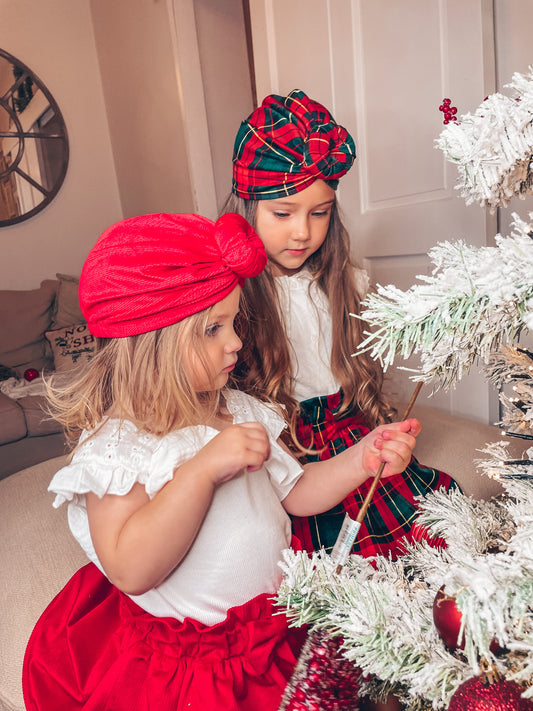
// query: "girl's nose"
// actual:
[[301, 229], [234, 344]]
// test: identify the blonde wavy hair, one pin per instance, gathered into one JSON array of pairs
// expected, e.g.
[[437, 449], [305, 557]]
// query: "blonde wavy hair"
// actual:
[[265, 369], [140, 378]]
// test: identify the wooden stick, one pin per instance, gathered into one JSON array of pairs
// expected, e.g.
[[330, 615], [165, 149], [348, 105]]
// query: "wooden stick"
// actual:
[[350, 528]]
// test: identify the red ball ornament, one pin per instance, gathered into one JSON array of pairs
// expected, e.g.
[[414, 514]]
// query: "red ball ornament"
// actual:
[[447, 619], [476, 695], [30, 374]]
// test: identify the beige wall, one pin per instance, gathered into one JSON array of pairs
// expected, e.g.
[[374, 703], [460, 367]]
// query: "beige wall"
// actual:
[[226, 82], [141, 88], [55, 39]]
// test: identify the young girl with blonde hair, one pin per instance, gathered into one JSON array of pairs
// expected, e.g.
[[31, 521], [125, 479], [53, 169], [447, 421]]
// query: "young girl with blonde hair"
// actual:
[[300, 338], [178, 489]]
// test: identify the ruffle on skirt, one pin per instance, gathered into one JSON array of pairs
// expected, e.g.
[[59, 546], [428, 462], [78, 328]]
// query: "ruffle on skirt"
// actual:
[[389, 520], [95, 649]]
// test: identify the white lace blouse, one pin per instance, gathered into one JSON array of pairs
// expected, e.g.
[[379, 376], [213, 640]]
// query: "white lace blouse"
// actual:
[[308, 325], [235, 555]]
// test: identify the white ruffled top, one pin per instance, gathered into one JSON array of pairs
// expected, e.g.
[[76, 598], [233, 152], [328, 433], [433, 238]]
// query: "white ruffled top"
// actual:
[[309, 330], [235, 555]]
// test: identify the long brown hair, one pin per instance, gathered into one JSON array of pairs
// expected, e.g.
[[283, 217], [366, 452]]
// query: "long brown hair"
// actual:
[[265, 368]]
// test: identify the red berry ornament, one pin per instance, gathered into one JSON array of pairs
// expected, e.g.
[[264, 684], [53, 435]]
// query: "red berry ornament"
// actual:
[[477, 695], [30, 374], [448, 110]]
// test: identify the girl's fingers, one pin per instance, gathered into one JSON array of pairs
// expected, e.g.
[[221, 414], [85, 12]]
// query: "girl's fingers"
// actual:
[[257, 444], [394, 444], [412, 426]]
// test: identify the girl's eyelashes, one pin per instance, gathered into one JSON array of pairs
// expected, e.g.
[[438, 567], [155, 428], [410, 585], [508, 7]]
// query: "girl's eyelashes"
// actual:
[[212, 329], [316, 213]]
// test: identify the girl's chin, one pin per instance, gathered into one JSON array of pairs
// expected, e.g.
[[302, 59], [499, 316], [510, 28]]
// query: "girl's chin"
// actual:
[[219, 382], [292, 266]]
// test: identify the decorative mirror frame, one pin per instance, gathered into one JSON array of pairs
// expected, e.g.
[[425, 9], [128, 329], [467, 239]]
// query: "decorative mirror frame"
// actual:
[[14, 100]]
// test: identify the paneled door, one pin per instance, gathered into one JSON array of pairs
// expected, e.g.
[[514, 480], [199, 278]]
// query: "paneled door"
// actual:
[[383, 68]]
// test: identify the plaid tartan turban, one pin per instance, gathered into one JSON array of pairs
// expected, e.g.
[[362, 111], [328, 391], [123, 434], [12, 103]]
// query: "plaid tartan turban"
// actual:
[[285, 145], [151, 271]]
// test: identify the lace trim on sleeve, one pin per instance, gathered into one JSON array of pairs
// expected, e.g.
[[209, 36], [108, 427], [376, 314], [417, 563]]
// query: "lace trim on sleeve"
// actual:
[[245, 408], [117, 456]]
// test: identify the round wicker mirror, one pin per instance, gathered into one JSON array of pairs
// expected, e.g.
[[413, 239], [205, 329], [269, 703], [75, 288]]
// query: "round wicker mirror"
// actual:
[[33, 143]]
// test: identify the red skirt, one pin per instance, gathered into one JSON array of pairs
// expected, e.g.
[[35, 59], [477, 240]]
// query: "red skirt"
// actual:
[[94, 649], [390, 517]]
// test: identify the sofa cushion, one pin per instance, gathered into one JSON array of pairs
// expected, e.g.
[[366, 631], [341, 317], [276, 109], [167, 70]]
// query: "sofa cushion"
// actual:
[[452, 444], [71, 346], [67, 306], [39, 555], [24, 317], [38, 421], [12, 420]]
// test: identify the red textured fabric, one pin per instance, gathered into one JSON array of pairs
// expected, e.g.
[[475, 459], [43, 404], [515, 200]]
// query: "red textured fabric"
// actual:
[[152, 271], [95, 649], [285, 145]]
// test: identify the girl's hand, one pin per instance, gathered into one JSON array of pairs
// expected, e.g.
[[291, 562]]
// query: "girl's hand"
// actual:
[[241, 446], [392, 444], [326, 483]]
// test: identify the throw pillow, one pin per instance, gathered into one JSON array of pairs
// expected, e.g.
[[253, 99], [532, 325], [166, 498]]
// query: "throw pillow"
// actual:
[[24, 317], [71, 346]]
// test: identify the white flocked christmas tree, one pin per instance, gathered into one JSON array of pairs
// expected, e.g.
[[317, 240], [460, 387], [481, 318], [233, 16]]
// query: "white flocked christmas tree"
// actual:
[[452, 628]]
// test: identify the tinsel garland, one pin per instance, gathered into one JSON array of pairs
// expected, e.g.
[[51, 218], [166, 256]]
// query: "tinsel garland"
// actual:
[[492, 148]]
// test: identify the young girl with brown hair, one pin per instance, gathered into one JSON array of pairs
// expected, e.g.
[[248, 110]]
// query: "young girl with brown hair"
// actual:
[[299, 336], [178, 490]]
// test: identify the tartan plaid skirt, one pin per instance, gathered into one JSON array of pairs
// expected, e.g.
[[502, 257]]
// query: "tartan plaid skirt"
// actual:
[[389, 520]]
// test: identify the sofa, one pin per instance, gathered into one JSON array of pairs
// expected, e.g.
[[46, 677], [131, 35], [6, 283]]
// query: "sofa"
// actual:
[[39, 555], [42, 331]]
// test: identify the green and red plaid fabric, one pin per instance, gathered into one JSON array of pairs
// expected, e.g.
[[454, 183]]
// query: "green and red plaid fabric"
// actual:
[[285, 145], [389, 520]]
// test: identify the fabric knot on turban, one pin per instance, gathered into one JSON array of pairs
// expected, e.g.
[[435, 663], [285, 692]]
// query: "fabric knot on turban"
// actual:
[[285, 145], [148, 272]]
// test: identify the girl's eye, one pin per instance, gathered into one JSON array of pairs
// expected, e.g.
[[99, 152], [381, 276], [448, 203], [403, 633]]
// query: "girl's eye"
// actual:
[[278, 213], [321, 213], [212, 329]]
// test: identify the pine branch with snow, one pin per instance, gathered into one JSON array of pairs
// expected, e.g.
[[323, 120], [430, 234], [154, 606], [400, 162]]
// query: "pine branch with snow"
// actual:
[[384, 610], [492, 148], [476, 299]]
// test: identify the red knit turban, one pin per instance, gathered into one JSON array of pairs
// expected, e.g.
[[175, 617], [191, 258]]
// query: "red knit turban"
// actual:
[[285, 145], [152, 271]]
